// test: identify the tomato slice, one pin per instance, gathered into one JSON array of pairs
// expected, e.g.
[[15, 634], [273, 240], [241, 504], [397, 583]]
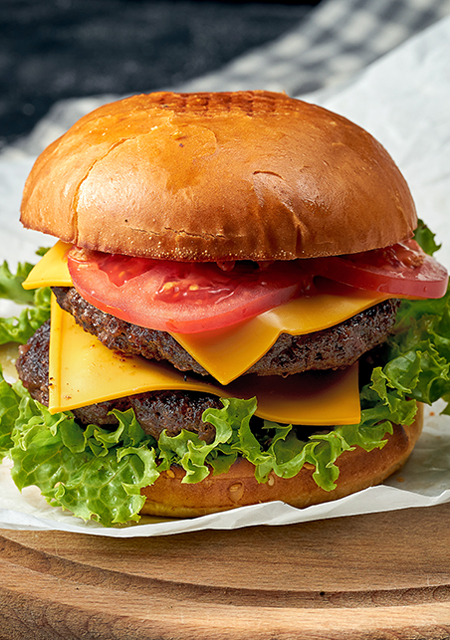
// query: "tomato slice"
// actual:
[[193, 297], [402, 269], [183, 297]]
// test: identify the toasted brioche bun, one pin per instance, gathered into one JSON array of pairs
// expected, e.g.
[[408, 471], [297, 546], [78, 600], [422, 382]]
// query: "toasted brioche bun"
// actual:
[[358, 469], [215, 176]]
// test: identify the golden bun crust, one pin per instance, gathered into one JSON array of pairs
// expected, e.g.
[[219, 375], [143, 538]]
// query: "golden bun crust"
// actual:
[[214, 176], [358, 469]]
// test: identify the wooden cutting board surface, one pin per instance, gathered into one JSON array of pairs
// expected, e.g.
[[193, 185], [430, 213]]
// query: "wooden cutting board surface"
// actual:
[[380, 576]]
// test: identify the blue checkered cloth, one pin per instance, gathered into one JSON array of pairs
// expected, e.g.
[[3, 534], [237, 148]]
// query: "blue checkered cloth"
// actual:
[[336, 40]]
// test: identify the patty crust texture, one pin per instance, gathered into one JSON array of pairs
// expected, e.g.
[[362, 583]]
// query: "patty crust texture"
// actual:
[[333, 348]]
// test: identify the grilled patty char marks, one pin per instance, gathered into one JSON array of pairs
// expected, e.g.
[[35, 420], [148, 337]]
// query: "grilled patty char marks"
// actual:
[[333, 348]]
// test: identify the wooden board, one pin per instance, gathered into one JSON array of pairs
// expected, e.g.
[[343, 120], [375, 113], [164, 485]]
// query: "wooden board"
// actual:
[[380, 576]]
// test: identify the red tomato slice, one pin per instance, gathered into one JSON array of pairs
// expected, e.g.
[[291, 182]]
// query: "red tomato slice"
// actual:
[[183, 297], [402, 269], [194, 297]]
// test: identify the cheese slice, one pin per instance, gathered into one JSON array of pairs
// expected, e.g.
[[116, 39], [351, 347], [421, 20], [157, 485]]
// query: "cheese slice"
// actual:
[[51, 270], [82, 371], [227, 353]]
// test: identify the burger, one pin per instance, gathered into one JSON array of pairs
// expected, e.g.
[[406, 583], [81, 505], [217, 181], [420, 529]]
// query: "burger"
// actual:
[[243, 308]]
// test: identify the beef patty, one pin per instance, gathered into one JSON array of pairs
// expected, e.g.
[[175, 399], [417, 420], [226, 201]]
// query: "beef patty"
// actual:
[[333, 348], [176, 410]]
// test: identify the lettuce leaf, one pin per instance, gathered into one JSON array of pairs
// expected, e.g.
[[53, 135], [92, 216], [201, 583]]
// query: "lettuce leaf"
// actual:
[[92, 472], [419, 350], [425, 238], [10, 397], [20, 329]]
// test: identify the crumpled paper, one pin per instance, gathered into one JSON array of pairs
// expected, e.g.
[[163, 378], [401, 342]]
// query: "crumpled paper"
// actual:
[[403, 100]]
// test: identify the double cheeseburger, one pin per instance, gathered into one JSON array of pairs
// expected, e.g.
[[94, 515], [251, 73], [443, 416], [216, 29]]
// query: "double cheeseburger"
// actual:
[[224, 297]]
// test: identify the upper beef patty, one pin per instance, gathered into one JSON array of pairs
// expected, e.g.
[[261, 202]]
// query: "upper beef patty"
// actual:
[[333, 348]]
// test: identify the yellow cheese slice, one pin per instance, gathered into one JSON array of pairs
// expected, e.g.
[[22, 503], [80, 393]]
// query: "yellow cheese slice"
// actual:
[[228, 353], [51, 270], [82, 371]]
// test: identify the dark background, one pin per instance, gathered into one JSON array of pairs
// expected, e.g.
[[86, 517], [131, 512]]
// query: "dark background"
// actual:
[[56, 49]]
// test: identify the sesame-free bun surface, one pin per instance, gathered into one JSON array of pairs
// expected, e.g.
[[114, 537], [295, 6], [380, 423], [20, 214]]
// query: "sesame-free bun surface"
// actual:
[[212, 176], [358, 469]]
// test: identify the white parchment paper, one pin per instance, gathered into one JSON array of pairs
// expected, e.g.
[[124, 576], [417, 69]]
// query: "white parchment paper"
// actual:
[[404, 100]]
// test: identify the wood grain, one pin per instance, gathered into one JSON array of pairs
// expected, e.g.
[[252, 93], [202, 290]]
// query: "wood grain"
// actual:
[[379, 576]]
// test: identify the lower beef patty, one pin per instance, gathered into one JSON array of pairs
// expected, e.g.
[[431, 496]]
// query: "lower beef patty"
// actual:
[[331, 348]]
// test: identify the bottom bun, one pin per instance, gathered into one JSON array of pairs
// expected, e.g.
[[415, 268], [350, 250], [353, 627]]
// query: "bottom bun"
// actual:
[[358, 469]]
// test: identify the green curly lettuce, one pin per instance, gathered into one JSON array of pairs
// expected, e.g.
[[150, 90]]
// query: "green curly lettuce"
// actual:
[[426, 238], [20, 329], [10, 397], [93, 472]]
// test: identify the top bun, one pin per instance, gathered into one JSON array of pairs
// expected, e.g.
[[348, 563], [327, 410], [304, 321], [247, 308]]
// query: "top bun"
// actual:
[[218, 176]]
